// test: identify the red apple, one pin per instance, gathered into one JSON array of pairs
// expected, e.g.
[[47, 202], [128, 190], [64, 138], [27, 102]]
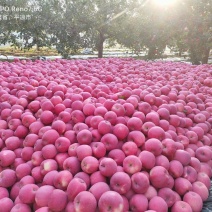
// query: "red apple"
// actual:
[[64, 116], [137, 137], [77, 116], [97, 177], [48, 165], [111, 117], [89, 164], [84, 137], [36, 174], [14, 123], [150, 193], [174, 120], [59, 126], [48, 179], [175, 168], [85, 177], [49, 151], [203, 154], [120, 182], [168, 195], [88, 109], [140, 183], [13, 143], [27, 193], [98, 149], [72, 149], [146, 126], [7, 158], [192, 136], [95, 120], [111, 200], [42, 195], [144, 107], [182, 186], [138, 202], [147, 159], [22, 170], [6, 204], [104, 127], [72, 164], [154, 145], [181, 206], [107, 167], [155, 201], [162, 160], [7, 178], [37, 158], [117, 155], [204, 178], [134, 123], [182, 156], [21, 207], [130, 148], [83, 151], [120, 131], [156, 132], [47, 117], [27, 120], [3, 193], [163, 113], [75, 186], [62, 144], [194, 200], [110, 141], [85, 200], [199, 188], [30, 140], [129, 108], [132, 164], [70, 134], [79, 126], [159, 177], [118, 109], [98, 189], [50, 136], [57, 200], [21, 131], [62, 179], [190, 173]]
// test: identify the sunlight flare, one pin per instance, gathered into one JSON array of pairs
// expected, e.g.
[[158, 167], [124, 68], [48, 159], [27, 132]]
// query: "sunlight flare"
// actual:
[[164, 3]]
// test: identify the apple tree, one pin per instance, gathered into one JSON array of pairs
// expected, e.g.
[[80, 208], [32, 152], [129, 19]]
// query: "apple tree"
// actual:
[[149, 28], [198, 20], [100, 20], [181, 25]]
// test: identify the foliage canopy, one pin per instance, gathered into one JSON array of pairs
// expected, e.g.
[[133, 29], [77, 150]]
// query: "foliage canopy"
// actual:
[[185, 25]]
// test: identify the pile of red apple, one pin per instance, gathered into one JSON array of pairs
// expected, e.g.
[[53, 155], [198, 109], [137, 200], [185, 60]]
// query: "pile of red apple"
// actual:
[[105, 135]]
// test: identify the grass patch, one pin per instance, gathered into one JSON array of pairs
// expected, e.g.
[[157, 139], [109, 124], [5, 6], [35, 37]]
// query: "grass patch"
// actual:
[[44, 51]]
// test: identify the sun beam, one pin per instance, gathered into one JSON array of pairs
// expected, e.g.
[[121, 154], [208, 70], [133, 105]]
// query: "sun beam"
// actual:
[[164, 3]]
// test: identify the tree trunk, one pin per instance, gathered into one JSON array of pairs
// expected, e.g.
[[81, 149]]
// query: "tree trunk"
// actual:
[[180, 53], [100, 45], [151, 53], [195, 59], [205, 56], [38, 47]]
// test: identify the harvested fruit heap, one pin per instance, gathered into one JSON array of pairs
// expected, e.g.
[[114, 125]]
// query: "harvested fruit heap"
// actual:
[[105, 135]]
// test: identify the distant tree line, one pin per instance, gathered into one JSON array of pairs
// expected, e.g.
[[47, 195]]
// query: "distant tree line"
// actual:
[[140, 25]]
